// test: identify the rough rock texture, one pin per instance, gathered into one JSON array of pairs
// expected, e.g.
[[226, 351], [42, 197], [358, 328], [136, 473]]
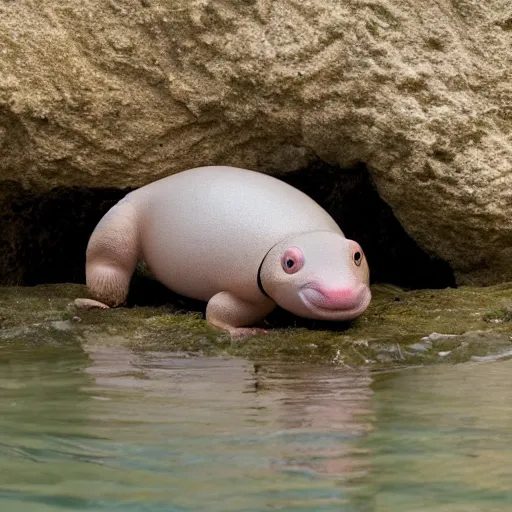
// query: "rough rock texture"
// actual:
[[116, 93]]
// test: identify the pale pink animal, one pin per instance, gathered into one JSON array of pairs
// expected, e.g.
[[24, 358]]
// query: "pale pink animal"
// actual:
[[241, 240]]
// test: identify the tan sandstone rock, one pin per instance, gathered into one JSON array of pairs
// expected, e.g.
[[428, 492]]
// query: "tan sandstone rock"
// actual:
[[116, 93]]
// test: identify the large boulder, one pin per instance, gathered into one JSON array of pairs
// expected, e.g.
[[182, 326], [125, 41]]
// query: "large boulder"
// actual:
[[118, 93]]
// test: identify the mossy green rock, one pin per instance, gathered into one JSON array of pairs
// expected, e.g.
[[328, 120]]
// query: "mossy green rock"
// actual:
[[400, 328]]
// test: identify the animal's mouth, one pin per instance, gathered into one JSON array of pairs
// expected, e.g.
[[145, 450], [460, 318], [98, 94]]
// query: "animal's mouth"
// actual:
[[338, 304]]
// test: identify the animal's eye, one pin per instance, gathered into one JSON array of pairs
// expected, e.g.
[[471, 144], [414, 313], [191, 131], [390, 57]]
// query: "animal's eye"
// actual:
[[358, 258], [292, 260]]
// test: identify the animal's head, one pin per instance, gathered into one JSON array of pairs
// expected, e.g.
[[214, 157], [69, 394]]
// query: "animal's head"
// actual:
[[319, 275]]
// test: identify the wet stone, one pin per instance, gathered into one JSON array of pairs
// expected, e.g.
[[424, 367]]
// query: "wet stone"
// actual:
[[424, 327]]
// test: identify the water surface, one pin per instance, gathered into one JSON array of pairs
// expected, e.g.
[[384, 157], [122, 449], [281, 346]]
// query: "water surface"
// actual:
[[109, 429]]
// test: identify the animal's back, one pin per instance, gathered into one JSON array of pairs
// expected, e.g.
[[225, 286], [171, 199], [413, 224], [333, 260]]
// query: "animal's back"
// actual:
[[207, 229]]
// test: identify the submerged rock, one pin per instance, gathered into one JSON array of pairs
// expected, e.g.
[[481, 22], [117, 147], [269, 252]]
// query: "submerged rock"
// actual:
[[422, 327]]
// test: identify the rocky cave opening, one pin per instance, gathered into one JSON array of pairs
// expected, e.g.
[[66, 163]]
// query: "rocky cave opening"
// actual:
[[44, 235]]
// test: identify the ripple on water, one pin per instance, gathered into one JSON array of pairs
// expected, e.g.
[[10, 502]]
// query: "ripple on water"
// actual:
[[113, 429], [110, 429]]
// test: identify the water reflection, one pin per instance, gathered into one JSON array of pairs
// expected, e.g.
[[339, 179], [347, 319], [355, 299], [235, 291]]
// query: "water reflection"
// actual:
[[112, 429], [443, 440], [95, 428]]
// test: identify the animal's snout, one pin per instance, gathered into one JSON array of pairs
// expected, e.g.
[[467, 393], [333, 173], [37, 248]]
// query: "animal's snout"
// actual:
[[348, 297]]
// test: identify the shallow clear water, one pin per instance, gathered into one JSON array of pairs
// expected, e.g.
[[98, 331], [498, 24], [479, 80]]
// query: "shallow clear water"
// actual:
[[106, 429]]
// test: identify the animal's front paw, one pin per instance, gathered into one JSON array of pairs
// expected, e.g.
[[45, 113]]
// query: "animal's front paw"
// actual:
[[89, 304]]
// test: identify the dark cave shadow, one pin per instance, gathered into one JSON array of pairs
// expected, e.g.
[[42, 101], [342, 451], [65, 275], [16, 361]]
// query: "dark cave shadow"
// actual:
[[145, 291], [45, 237], [351, 198]]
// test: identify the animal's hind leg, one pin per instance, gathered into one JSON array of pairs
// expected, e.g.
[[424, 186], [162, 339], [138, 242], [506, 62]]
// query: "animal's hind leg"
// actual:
[[111, 257]]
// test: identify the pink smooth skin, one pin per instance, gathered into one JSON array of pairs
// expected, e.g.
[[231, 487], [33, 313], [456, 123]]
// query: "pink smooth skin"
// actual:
[[331, 285], [343, 298]]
